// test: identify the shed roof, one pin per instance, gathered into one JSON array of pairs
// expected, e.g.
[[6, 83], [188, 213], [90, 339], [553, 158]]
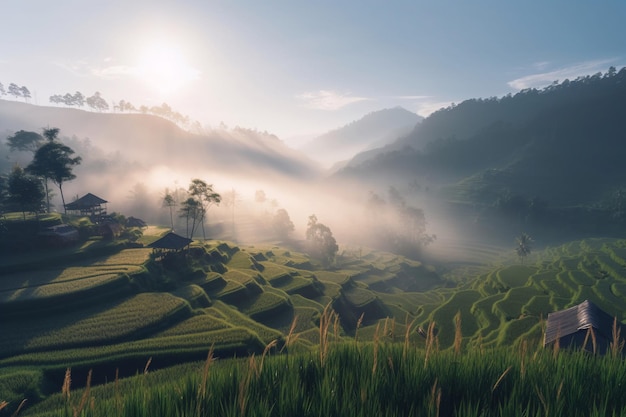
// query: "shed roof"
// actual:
[[580, 317], [170, 241], [85, 202]]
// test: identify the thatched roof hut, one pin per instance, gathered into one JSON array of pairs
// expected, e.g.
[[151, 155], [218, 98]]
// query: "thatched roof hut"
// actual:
[[584, 326], [88, 205], [171, 242]]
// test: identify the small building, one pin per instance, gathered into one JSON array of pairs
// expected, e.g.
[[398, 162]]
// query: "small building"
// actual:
[[88, 205], [171, 242], [61, 234], [584, 326]]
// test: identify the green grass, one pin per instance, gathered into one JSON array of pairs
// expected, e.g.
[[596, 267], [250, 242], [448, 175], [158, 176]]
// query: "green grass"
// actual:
[[362, 380], [101, 324]]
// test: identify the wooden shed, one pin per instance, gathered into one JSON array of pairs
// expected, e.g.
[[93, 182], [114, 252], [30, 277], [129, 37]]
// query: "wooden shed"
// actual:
[[88, 205], [170, 242], [584, 326]]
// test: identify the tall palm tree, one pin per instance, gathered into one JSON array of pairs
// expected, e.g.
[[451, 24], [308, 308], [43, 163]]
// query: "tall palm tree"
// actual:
[[524, 246]]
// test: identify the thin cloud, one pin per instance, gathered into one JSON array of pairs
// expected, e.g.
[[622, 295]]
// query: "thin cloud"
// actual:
[[425, 109], [328, 100], [412, 97], [545, 78]]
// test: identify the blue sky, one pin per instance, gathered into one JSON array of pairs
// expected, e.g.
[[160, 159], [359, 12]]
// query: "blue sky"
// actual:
[[303, 67]]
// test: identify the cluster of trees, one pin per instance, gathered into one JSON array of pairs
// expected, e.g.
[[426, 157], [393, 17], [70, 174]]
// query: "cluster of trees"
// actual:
[[15, 91], [194, 207], [27, 188], [396, 225], [98, 103], [95, 102]]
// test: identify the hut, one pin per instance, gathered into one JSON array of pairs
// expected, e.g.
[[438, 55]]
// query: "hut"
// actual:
[[88, 205], [171, 242], [584, 326]]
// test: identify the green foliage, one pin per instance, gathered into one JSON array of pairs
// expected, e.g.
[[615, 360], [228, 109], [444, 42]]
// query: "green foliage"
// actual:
[[361, 380], [321, 243]]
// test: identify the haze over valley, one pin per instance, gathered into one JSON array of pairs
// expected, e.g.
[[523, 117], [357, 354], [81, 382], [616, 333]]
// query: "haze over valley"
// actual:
[[334, 201]]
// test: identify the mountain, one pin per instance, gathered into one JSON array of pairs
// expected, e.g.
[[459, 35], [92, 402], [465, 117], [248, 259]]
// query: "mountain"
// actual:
[[151, 140], [371, 131], [549, 159]]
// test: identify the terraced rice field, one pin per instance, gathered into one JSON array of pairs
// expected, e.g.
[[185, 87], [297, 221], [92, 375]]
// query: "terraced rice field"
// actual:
[[236, 297]]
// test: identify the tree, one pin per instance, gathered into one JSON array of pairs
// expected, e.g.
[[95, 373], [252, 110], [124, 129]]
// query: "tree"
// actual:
[[524, 246], [24, 141], [25, 92], [2, 90], [14, 90], [320, 241], [190, 209], [169, 201], [54, 161], [205, 196], [96, 102], [282, 224], [25, 191]]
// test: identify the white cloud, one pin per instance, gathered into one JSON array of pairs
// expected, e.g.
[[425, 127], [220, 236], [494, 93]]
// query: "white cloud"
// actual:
[[545, 78], [426, 108], [114, 71], [412, 97], [328, 100]]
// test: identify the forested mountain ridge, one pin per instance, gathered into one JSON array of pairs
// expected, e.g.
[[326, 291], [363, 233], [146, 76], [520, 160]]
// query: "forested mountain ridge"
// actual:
[[152, 139], [562, 144], [373, 130]]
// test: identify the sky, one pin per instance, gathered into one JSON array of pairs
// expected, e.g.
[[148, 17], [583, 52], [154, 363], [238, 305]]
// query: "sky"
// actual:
[[299, 68]]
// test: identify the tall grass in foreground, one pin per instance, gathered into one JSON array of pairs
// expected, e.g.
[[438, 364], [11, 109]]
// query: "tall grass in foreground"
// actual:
[[369, 379]]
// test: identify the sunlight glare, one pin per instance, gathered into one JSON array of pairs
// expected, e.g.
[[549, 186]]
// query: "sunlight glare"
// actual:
[[165, 69]]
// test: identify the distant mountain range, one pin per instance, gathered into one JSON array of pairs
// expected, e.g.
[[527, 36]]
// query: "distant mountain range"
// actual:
[[373, 130], [564, 144]]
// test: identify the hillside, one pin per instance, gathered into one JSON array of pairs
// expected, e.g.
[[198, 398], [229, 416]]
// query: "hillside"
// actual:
[[558, 148], [545, 140], [149, 139], [371, 131]]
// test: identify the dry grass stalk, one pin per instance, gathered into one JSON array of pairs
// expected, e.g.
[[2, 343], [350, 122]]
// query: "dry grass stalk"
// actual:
[[376, 343], [617, 344], [205, 372], [291, 336], [385, 327], [245, 384], [145, 368], [523, 352], [407, 336], [358, 326], [435, 398], [430, 341], [325, 319], [506, 371], [3, 404], [594, 342], [557, 344], [67, 382], [83, 399], [19, 408], [269, 346], [458, 335], [336, 326]]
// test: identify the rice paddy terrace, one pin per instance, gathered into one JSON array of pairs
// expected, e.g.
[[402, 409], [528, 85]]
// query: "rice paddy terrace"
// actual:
[[113, 313]]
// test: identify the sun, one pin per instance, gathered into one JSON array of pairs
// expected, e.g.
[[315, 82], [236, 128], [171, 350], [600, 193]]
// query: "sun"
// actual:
[[164, 68]]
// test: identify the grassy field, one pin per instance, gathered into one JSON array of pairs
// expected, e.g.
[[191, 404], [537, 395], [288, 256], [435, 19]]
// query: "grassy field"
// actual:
[[116, 307]]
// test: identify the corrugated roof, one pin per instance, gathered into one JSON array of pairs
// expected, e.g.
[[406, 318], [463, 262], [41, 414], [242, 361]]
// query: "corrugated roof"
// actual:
[[580, 317], [85, 202], [170, 241]]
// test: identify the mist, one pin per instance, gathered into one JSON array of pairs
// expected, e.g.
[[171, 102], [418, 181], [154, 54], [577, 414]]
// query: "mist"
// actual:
[[132, 161]]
